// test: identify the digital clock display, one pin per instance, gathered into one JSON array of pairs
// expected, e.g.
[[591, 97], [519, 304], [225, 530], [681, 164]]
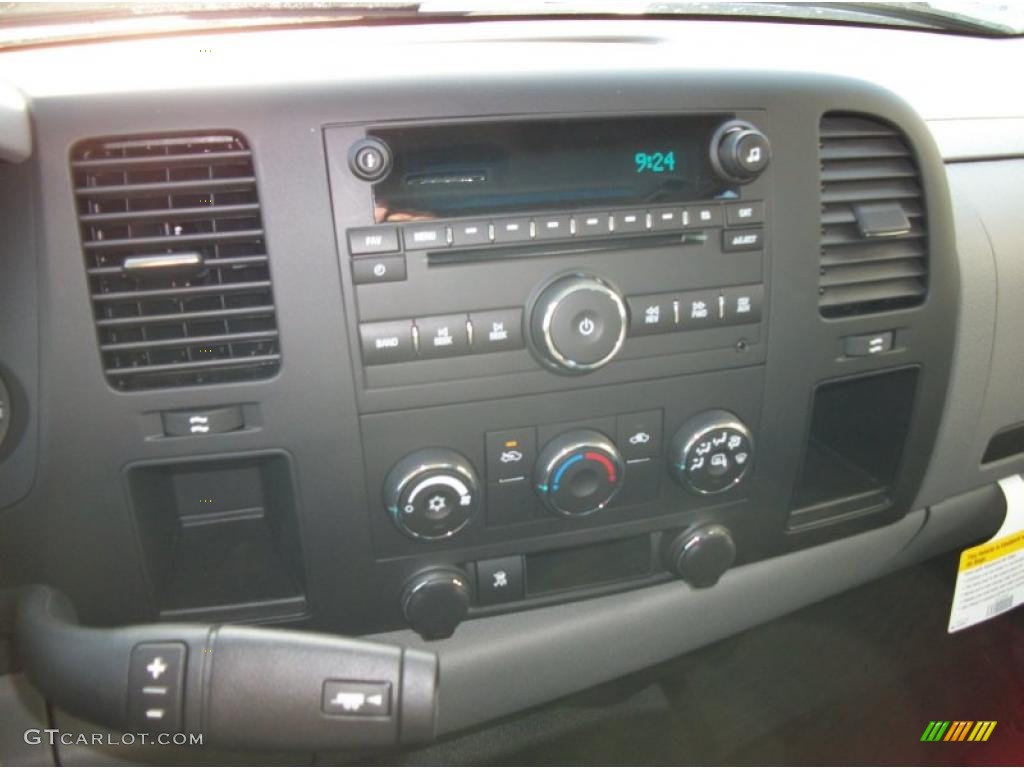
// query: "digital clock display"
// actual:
[[491, 168], [655, 162]]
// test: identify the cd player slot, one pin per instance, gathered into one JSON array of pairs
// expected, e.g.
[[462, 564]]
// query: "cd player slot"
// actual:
[[533, 250]]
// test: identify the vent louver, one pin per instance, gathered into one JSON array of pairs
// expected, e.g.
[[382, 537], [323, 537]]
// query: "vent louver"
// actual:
[[874, 254], [176, 260]]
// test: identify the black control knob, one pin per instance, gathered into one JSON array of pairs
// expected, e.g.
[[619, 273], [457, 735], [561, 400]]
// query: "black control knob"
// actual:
[[579, 472], [701, 555], [436, 601], [578, 324], [432, 494], [712, 452], [369, 159], [740, 152]]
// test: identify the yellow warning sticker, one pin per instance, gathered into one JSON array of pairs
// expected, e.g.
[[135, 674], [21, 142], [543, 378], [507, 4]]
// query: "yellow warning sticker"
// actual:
[[990, 579]]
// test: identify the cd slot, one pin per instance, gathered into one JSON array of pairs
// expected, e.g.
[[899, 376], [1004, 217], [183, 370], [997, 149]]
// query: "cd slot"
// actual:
[[536, 250]]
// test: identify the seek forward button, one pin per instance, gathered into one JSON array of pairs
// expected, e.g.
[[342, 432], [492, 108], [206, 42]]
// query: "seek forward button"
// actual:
[[497, 331]]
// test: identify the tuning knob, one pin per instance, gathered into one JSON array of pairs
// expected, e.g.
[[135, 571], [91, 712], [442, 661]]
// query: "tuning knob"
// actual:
[[578, 324], [432, 494], [435, 602], [740, 152], [711, 453], [701, 555], [579, 472]]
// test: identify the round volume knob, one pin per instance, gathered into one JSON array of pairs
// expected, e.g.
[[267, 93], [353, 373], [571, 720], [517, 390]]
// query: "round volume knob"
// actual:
[[436, 601], [739, 151], [701, 555], [711, 452], [432, 494], [578, 324], [579, 472]]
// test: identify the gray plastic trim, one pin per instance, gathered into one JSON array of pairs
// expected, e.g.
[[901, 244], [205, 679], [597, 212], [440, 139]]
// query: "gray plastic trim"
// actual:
[[15, 126], [496, 666], [981, 138]]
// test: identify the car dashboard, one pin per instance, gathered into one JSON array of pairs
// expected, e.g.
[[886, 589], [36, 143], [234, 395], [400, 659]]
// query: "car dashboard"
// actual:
[[552, 348]]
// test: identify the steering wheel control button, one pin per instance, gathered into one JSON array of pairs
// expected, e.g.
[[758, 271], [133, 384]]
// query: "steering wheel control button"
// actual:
[[739, 151], [500, 580], [371, 240], [435, 602], [443, 335], [579, 472], [386, 269], [156, 679], [370, 159], [510, 454], [432, 494], [578, 324], [736, 240], [208, 421], [711, 453], [387, 342], [497, 330], [742, 304], [740, 214], [650, 315], [638, 435], [353, 698]]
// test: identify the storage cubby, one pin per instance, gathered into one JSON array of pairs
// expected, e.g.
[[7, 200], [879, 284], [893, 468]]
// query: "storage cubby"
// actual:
[[859, 427], [220, 537]]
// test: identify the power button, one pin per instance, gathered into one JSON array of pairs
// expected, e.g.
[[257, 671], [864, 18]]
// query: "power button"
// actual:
[[578, 324]]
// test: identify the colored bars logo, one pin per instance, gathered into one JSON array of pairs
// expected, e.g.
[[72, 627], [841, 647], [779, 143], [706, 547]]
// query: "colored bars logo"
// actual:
[[958, 730]]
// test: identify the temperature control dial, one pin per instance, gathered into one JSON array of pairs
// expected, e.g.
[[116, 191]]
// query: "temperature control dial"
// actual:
[[579, 472], [712, 452], [578, 324], [432, 494]]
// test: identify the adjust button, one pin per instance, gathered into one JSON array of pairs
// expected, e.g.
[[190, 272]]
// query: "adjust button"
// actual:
[[743, 239], [384, 269], [356, 698], [206, 421], [443, 335], [389, 342]]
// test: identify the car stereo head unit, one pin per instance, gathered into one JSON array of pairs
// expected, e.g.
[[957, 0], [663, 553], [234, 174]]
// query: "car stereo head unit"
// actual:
[[464, 169]]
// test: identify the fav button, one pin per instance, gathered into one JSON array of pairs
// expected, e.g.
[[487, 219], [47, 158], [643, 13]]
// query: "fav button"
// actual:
[[443, 335], [372, 240]]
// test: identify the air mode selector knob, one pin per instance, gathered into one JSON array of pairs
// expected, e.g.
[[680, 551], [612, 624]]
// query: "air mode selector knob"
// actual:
[[578, 324], [711, 453], [579, 473], [432, 494], [740, 152], [700, 555]]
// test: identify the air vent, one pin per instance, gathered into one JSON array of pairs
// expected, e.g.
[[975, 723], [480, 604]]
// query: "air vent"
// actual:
[[874, 254], [176, 260]]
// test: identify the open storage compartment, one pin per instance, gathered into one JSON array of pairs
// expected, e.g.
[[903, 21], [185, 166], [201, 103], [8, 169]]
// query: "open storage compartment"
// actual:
[[858, 431], [220, 537]]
